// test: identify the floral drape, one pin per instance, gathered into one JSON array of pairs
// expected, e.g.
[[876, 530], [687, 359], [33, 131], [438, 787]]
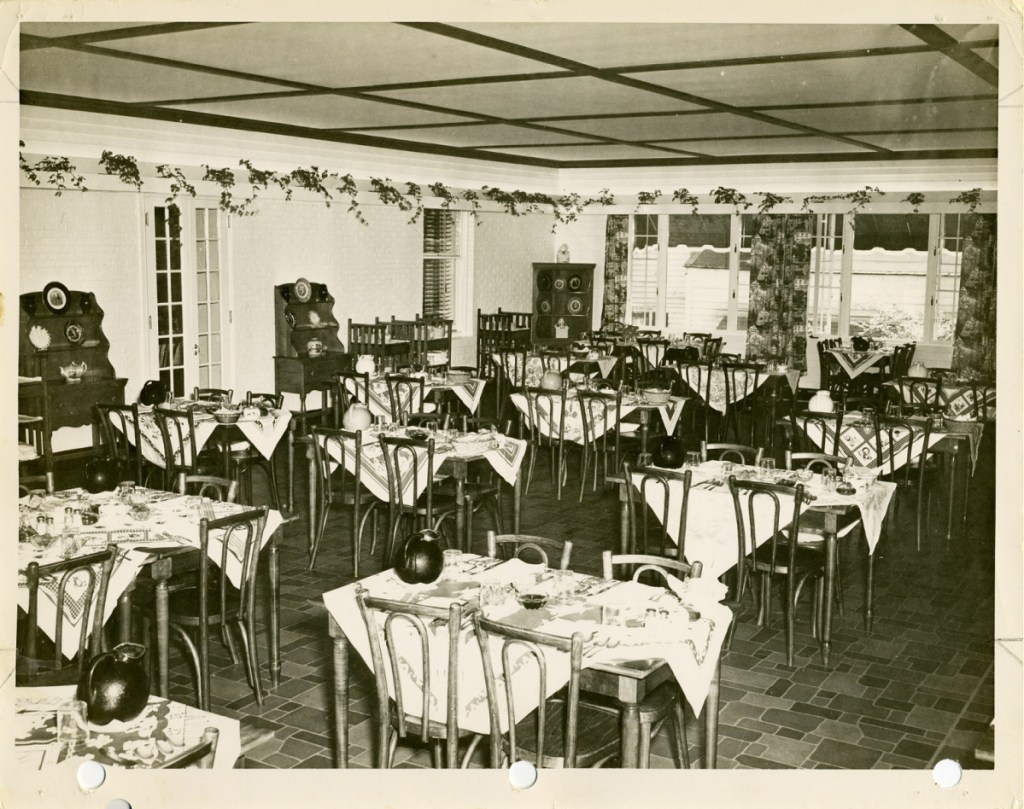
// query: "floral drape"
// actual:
[[974, 341], [780, 260], [616, 263]]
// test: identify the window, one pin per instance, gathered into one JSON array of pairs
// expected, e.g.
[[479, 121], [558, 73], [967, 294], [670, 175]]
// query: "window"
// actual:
[[888, 276], [447, 270]]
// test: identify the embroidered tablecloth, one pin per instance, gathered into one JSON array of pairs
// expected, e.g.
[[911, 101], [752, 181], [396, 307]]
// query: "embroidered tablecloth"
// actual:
[[468, 393], [955, 398], [696, 380], [691, 648], [711, 536], [173, 522], [857, 362], [549, 422], [505, 456], [535, 366]]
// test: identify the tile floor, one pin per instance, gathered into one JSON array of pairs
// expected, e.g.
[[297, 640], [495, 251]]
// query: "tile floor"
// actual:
[[918, 689]]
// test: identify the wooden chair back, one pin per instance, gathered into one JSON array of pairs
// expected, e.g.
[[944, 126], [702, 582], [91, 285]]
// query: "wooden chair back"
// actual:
[[219, 395], [514, 644], [352, 387], [652, 349], [401, 462], [218, 488], [406, 394], [823, 423], [815, 461], [274, 401], [737, 453], [515, 546], [900, 437], [917, 396], [410, 686], [649, 529], [86, 611], [636, 565], [178, 431], [122, 437]]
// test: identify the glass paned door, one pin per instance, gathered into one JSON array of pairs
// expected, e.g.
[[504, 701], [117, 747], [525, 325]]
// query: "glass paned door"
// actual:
[[188, 314], [947, 283], [209, 307], [170, 321], [643, 272]]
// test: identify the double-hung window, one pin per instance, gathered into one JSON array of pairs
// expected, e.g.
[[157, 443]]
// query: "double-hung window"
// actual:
[[447, 266]]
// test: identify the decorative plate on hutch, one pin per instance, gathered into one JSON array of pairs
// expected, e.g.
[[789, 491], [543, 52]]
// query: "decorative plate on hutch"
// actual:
[[303, 290], [289, 318], [575, 306], [559, 283], [575, 283], [55, 296], [74, 332], [314, 318]]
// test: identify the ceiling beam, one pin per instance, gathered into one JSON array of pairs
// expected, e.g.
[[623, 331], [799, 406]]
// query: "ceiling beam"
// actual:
[[582, 69], [30, 42], [955, 50]]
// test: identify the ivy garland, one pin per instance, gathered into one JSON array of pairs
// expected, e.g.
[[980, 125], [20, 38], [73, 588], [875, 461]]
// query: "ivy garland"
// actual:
[[61, 174]]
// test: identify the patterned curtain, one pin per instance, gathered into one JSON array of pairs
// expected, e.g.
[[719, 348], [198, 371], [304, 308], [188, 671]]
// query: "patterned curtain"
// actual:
[[974, 341], [616, 263], [780, 260]]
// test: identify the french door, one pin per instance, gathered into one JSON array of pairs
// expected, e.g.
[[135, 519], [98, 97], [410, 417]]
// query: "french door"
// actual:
[[188, 315]]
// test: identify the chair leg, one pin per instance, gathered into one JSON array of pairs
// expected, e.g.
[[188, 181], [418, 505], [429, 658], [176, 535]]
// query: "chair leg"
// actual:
[[869, 594], [248, 632], [193, 654], [679, 725], [644, 747], [229, 642]]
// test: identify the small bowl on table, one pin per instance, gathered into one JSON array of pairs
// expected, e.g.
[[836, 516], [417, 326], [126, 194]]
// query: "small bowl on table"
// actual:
[[532, 601], [656, 396], [227, 416]]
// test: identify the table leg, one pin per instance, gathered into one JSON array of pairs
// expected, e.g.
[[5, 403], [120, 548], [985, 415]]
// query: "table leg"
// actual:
[[952, 491], [517, 501], [275, 617], [461, 540], [630, 729], [711, 721], [625, 545], [340, 695], [313, 519], [645, 457], [161, 572], [291, 467], [831, 549], [124, 608]]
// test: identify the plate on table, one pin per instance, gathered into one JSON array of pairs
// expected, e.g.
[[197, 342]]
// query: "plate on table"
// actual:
[[303, 290]]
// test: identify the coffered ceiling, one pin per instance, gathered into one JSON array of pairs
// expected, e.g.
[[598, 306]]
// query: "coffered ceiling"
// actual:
[[548, 94]]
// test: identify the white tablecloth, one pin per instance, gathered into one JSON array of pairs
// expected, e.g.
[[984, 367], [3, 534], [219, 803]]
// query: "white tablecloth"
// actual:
[[469, 394], [711, 536], [172, 522], [690, 648]]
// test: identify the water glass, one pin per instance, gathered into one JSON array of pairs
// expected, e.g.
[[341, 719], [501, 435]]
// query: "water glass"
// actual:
[[767, 467], [692, 460], [72, 727], [828, 479], [492, 594], [124, 490], [728, 469], [564, 585], [613, 615], [452, 557]]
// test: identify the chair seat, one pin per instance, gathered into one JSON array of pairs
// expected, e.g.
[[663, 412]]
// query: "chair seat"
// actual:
[[349, 497], [183, 605], [812, 526], [597, 736], [808, 560], [473, 490]]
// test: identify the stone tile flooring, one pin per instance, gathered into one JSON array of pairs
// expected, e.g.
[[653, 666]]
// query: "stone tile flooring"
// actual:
[[918, 689]]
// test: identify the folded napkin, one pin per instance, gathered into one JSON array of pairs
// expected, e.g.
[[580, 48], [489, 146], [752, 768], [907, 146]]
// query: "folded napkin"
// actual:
[[695, 591], [512, 572], [628, 594]]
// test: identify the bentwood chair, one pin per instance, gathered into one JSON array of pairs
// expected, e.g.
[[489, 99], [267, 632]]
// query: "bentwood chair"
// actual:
[[342, 487], [217, 602], [737, 453], [602, 425], [649, 529], [406, 394], [78, 588], [828, 425], [517, 546], [562, 731], [545, 406], [916, 397], [218, 395], [696, 377], [742, 383], [405, 470], [178, 431], [122, 439], [666, 701], [245, 457], [352, 387], [781, 556], [902, 449], [421, 645], [224, 490]]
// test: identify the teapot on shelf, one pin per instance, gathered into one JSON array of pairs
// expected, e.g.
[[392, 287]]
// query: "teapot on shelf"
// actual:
[[74, 372]]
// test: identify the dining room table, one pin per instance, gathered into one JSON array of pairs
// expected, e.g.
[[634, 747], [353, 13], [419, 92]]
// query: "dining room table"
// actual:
[[638, 402], [717, 391], [669, 632], [469, 393], [854, 362], [263, 431], [711, 531], [452, 458], [158, 531], [956, 398], [163, 730], [948, 439], [580, 365]]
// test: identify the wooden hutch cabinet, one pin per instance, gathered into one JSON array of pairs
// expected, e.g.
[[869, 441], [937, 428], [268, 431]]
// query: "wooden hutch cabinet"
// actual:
[[563, 299], [62, 328]]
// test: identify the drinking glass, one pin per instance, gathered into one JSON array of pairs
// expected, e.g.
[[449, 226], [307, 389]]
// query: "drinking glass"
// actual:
[[767, 467], [692, 460], [612, 615], [124, 490], [564, 585], [492, 594], [72, 728], [828, 479], [728, 469], [452, 557]]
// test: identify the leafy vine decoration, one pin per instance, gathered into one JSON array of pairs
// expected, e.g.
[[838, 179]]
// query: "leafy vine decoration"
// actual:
[[179, 183], [915, 198], [970, 198], [124, 167], [59, 172], [647, 198], [730, 196], [684, 197], [769, 201]]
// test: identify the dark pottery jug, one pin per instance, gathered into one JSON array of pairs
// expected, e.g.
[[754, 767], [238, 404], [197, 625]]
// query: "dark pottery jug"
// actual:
[[670, 453], [101, 474], [419, 560], [116, 684]]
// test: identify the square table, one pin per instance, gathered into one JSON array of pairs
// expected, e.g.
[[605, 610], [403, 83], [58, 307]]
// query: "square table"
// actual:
[[642, 659], [164, 542]]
